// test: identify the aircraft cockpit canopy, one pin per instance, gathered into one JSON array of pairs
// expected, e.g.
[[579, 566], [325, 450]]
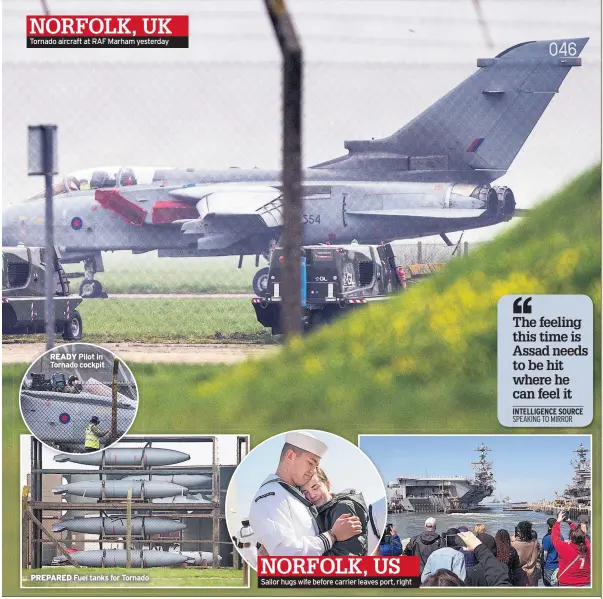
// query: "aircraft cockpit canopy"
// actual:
[[106, 177]]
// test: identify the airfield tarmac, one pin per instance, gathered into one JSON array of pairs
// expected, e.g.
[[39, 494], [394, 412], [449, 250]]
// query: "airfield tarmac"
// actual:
[[166, 353]]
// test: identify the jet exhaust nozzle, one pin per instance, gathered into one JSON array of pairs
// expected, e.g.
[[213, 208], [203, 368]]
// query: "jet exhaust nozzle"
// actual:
[[506, 200], [494, 206]]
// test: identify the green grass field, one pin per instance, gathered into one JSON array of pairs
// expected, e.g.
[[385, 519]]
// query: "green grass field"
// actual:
[[159, 577], [145, 273], [167, 320], [423, 363], [427, 354]]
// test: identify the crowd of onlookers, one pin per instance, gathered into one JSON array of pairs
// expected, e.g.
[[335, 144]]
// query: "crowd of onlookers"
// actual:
[[460, 557]]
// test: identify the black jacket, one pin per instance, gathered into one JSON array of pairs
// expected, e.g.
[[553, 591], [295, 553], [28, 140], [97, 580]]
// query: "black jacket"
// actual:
[[423, 545], [488, 572], [345, 503]]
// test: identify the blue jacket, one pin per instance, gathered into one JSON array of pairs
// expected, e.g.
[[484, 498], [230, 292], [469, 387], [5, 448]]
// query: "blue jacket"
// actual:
[[392, 548], [552, 557], [447, 558]]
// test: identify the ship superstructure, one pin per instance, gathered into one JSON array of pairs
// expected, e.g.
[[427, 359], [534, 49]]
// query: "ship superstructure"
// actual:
[[443, 493], [579, 490]]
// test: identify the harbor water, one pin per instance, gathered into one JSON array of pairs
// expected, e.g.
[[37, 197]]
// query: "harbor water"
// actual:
[[493, 517]]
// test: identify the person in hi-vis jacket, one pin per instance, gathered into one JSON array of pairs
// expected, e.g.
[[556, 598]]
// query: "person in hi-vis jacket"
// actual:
[[283, 520]]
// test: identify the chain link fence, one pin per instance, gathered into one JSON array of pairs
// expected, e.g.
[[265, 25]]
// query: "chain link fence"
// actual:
[[370, 68], [68, 389]]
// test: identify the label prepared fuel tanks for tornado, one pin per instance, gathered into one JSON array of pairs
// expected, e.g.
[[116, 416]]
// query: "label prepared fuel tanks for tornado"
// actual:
[[545, 360]]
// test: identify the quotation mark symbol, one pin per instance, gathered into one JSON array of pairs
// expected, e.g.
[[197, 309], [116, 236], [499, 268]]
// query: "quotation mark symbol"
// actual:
[[524, 307]]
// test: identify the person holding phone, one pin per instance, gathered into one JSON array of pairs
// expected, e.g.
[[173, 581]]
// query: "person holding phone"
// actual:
[[574, 556]]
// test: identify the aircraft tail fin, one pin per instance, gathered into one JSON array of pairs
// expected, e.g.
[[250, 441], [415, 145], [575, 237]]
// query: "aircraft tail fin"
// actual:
[[482, 123]]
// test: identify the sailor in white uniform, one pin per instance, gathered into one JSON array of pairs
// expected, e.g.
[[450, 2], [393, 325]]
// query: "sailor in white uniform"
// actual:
[[282, 519]]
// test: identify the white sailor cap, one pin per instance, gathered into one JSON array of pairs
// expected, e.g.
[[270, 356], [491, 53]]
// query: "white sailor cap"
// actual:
[[306, 441]]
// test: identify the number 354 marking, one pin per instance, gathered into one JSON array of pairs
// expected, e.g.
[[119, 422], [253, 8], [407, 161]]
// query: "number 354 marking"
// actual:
[[564, 49], [311, 219]]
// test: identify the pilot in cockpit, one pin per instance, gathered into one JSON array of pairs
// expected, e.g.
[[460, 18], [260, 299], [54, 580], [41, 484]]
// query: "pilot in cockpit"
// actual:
[[127, 177]]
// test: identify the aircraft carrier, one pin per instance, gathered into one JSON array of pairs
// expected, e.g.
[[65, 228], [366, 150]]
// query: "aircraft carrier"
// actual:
[[578, 492], [447, 494]]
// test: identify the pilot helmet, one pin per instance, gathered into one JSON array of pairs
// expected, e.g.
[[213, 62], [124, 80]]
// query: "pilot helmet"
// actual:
[[127, 177], [94, 420], [58, 379]]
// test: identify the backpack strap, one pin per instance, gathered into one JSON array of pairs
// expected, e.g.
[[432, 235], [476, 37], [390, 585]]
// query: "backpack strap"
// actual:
[[295, 492], [568, 567], [372, 521]]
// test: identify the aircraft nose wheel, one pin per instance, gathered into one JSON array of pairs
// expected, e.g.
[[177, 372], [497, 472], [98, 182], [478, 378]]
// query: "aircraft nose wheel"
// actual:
[[260, 281], [91, 289]]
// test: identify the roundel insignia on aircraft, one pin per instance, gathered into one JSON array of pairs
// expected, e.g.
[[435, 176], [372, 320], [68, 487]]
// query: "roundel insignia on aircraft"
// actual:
[[77, 223], [64, 418]]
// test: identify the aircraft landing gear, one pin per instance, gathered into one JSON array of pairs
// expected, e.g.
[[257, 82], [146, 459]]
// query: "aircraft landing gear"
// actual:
[[90, 287], [260, 281]]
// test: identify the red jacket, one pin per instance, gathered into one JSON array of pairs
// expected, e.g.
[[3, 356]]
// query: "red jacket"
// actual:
[[578, 573]]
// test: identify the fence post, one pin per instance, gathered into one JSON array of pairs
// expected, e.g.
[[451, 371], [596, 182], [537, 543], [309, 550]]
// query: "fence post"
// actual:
[[292, 198]]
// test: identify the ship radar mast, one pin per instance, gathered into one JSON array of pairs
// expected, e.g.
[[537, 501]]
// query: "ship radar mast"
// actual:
[[579, 490], [483, 468]]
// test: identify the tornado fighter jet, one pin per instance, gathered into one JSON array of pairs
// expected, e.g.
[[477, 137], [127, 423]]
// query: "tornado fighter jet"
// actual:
[[431, 177]]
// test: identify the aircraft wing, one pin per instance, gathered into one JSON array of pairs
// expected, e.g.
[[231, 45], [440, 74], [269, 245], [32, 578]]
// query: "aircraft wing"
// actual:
[[77, 398], [219, 215], [228, 213], [419, 213]]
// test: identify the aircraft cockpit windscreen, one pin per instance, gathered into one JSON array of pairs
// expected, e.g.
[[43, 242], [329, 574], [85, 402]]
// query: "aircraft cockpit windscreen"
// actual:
[[106, 177]]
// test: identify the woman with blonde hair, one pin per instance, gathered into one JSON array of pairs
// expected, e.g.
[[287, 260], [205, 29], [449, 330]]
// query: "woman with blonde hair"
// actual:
[[479, 528], [331, 506]]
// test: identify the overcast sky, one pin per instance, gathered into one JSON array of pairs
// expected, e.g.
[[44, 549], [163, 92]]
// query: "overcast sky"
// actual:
[[370, 67], [526, 467]]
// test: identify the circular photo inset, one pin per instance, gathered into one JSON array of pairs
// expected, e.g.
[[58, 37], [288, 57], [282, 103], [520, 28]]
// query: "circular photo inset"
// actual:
[[78, 398], [305, 493]]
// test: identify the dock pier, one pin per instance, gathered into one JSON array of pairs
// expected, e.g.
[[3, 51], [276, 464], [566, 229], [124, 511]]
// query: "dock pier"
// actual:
[[573, 511]]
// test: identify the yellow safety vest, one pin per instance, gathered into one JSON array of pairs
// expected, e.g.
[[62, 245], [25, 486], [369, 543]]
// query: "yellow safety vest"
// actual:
[[92, 440]]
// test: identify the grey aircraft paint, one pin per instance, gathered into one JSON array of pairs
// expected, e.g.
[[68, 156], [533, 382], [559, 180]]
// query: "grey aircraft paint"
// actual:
[[60, 418], [117, 525], [197, 498], [193, 482], [200, 558], [430, 177], [130, 456], [120, 489], [116, 558]]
